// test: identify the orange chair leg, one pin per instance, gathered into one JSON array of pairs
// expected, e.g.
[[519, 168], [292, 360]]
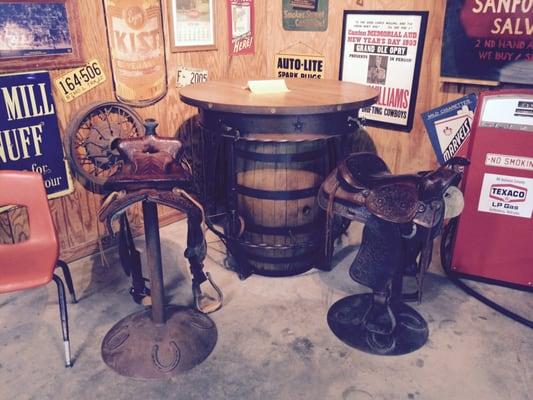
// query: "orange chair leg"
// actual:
[[64, 319]]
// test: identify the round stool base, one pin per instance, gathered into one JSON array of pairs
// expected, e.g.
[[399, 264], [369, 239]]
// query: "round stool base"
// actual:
[[138, 348], [345, 319]]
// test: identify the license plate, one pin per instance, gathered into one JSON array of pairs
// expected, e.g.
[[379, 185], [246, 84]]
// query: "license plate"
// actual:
[[187, 76], [80, 80]]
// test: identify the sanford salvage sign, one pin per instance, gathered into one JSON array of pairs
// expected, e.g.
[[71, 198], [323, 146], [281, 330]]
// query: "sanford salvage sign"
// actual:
[[29, 133], [488, 40]]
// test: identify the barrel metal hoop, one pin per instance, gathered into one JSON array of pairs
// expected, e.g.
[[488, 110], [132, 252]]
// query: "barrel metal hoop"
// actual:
[[311, 255], [280, 158], [283, 230], [277, 194]]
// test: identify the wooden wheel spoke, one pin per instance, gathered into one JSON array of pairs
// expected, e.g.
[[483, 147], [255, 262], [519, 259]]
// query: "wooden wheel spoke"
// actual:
[[90, 140], [89, 125]]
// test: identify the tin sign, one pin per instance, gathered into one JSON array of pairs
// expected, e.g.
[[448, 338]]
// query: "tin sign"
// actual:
[[80, 80], [29, 137], [448, 127], [186, 76], [299, 66], [305, 15], [506, 195]]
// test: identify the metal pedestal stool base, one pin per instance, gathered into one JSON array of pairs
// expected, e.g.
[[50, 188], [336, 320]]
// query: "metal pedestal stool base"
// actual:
[[138, 348], [345, 319]]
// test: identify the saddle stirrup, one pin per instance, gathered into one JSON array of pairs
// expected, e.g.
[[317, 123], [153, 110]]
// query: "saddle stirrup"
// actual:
[[205, 303]]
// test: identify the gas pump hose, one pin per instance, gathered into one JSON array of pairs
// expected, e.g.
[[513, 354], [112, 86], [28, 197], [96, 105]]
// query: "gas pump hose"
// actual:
[[445, 257]]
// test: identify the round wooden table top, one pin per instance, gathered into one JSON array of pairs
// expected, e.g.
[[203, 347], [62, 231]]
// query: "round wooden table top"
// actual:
[[305, 96]]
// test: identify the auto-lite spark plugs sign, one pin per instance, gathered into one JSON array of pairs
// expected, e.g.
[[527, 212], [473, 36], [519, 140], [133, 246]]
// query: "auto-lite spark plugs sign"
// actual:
[[29, 133], [299, 66], [383, 49]]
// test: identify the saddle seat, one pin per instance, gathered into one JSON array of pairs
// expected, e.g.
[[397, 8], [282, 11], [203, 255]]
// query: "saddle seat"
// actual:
[[367, 170], [363, 185], [150, 162]]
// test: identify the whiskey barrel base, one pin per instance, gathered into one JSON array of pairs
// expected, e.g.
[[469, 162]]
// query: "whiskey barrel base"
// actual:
[[262, 260], [277, 184]]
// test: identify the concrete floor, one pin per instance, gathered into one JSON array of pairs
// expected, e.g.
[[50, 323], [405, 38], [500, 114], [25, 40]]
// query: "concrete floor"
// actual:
[[273, 343]]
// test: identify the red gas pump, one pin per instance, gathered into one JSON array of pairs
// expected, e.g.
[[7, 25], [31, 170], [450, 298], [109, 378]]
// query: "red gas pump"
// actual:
[[494, 238]]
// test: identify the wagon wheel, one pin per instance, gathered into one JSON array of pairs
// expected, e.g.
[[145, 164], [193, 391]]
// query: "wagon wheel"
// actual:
[[92, 136]]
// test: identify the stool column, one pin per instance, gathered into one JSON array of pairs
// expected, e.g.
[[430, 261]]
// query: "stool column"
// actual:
[[153, 257]]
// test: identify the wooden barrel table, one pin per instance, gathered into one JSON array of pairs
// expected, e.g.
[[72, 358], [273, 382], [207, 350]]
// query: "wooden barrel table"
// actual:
[[277, 152]]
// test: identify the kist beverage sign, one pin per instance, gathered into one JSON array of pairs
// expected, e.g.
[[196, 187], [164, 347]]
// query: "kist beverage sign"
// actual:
[[299, 66], [135, 35], [29, 133]]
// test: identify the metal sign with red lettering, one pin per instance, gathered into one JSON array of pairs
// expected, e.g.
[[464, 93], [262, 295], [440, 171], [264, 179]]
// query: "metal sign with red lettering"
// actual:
[[489, 40], [507, 195], [241, 27], [383, 50]]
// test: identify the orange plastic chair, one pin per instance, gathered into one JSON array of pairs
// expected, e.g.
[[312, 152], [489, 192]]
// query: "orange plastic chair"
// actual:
[[31, 263]]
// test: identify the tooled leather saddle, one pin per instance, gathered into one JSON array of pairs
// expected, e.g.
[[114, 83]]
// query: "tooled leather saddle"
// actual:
[[363, 185], [151, 162], [153, 171], [402, 215]]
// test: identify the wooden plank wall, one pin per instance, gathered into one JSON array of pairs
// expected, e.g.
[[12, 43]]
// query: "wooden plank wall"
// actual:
[[75, 215]]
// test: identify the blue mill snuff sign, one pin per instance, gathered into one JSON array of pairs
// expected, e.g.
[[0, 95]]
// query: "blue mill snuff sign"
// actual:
[[29, 132]]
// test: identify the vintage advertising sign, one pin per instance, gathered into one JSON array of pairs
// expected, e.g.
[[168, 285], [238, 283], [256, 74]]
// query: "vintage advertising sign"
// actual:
[[305, 15], [489, 40], [506, 195], [76, 82], [383, 49], [29, 133], [135, 34], [242, 33], [448, 127], [509, 161], [188, 76], [299, 66]]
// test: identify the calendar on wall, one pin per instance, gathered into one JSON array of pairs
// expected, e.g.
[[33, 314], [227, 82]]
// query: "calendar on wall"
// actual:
[[192, 25]]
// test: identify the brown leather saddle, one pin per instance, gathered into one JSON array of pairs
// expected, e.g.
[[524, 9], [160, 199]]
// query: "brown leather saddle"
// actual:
[[153, 171], [362, 185], [402, 216], [150, 162]]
